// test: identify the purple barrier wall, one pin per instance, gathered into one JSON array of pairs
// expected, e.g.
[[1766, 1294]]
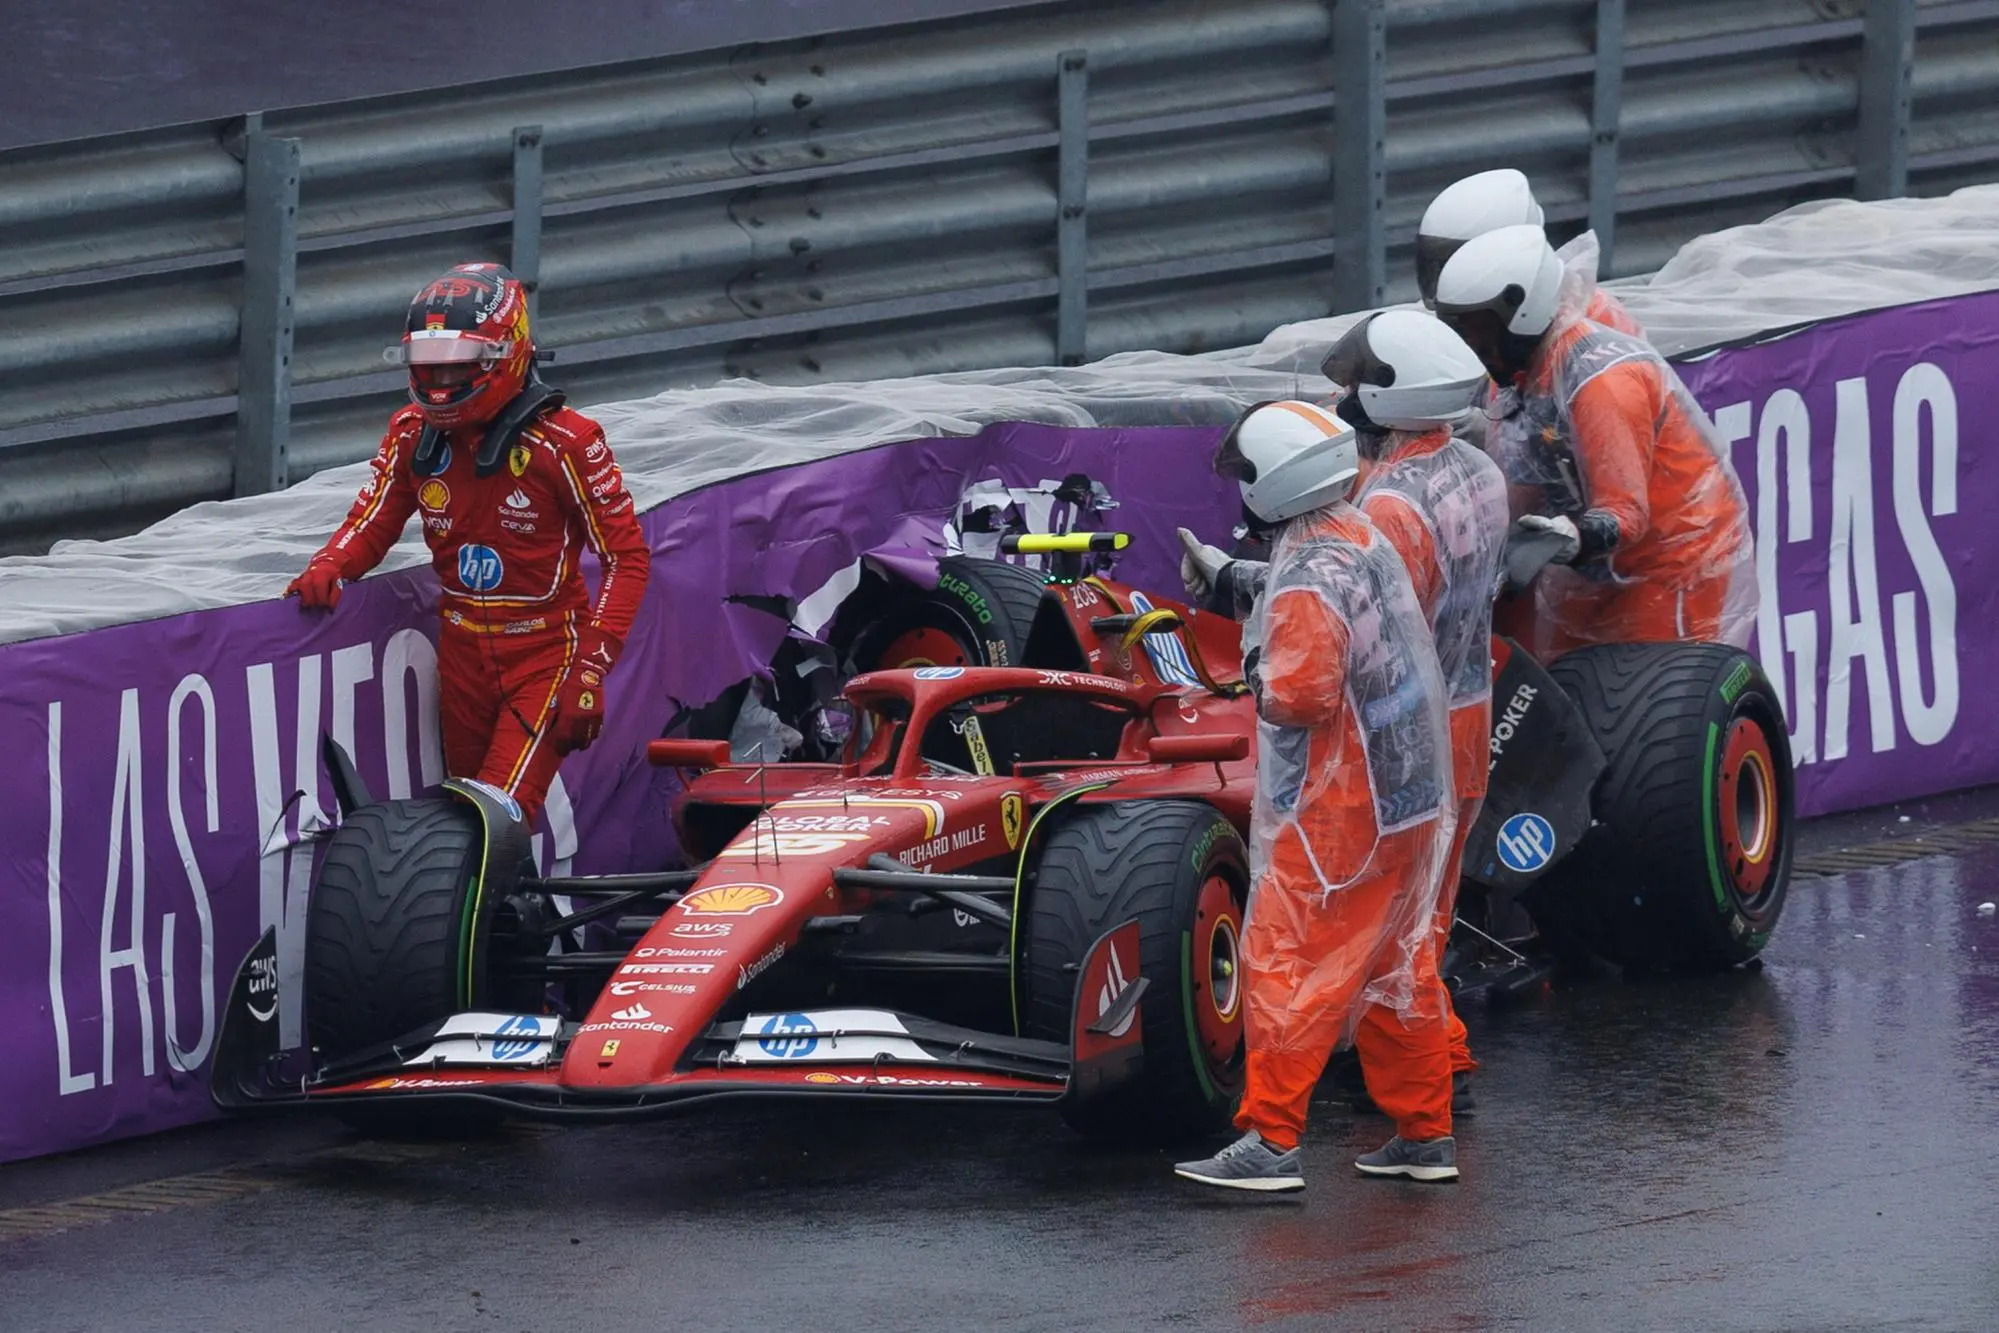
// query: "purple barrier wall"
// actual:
[[1876, 550], [148, 838]]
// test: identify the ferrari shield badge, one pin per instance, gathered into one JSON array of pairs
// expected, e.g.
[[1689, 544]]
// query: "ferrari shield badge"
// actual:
[[1013, 812], [517, 459]]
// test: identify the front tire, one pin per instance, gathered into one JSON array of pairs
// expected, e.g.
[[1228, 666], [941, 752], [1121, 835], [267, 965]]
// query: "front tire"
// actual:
[[1690, 860], [393, 941], [1179, 868]]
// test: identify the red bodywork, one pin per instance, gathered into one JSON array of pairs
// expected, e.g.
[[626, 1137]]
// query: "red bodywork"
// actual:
[[761, 891]]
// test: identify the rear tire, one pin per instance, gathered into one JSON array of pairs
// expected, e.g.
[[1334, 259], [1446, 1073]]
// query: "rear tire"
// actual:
[[979, 614], [1179, 868], [386, 940], [1689, 863]]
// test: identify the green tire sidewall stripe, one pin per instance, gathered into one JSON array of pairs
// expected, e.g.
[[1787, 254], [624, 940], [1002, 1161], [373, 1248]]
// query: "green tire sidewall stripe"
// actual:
[[475, 892], [1019, 878], [1208, 1088], [1708, 819]]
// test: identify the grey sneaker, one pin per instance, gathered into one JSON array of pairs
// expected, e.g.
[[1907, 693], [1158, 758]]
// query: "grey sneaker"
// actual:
[[1430, 1160], [1247, 1164]]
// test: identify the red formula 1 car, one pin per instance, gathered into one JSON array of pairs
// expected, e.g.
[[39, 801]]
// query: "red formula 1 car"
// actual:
[[1017, 883], [1021, 882]]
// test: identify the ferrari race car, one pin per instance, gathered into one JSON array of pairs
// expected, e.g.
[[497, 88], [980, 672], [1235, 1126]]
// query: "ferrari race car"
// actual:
[[1022, 878]]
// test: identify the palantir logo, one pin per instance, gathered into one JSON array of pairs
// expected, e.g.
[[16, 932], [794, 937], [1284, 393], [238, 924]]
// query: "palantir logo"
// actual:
[[479, 568], [1526, 843], [801, 1041]]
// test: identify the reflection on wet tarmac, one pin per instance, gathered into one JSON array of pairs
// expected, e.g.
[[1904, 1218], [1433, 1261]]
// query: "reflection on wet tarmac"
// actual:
[[1805, 1146]]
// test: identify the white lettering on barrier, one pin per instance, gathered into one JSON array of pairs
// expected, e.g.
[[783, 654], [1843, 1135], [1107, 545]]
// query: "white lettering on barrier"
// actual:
[[1926, 387], [189, 1059], [67, 1080], [1924, 618], [128, 833], [1852, 578], [409, 659], [136, 956]]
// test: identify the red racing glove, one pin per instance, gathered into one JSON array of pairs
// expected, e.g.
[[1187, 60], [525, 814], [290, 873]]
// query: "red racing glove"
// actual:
[[318, 588], [579, 708]]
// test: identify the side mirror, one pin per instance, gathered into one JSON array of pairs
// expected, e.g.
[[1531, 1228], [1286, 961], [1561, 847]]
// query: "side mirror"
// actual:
[[687, 754], [1208, 748]]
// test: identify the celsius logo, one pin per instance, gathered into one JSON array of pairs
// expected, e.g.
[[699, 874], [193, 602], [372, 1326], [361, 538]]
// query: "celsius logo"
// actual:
[[263, 989]]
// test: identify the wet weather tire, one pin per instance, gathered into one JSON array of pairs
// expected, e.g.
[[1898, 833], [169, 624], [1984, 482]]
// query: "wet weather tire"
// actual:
[[979, 614], [1689, 861], [386, 934], [1179, 869]]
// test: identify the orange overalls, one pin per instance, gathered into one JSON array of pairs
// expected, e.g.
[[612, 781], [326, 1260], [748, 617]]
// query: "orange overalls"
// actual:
[[1442, 504], [1600, 427], [1351, 822]]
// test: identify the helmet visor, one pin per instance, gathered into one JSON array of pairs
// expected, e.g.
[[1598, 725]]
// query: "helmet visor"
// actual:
[[1229, 460], [447, 347], [1432, 253], [1352, 361], [439, 377]]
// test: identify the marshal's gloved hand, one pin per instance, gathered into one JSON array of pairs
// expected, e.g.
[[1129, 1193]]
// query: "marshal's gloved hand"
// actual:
[[579, 706], [1560, 526], [318, 588], [1201, 565]]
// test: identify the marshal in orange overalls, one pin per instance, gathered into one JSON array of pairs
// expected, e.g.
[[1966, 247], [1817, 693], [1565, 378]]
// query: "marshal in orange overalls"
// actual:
[[1352, 819]]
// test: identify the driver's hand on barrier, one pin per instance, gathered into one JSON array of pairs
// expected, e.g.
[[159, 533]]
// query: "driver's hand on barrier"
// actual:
[[1563, 527], [318, 588], [579, 707], [1200, 566]]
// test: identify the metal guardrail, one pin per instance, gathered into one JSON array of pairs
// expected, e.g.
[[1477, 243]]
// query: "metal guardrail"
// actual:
[[197, 312]]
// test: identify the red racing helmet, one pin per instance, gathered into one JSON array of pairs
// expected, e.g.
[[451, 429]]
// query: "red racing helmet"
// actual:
[[467, 347]]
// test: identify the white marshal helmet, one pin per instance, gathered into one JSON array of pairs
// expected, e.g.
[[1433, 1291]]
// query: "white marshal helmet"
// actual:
[[1500, 292], [1404, 370], [1289, 458], [1467, 208]]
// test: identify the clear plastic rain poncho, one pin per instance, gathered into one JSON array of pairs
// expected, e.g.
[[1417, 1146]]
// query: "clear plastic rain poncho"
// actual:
[[1353, 813], [1458, 496], [1603, 426]]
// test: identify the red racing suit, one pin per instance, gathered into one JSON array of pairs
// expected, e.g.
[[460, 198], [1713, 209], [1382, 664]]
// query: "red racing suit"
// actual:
[[507, 549], [1350, 825], [1441, 503]]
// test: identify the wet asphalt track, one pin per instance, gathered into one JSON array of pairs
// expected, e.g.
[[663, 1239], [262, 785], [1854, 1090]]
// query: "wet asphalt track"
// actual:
[[1811, 1146]]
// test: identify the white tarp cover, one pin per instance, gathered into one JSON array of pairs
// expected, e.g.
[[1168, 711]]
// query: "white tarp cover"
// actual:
[[1817, 261]]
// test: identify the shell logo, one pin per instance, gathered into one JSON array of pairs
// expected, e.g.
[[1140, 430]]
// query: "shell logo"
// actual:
[[433, 495], [731, 899], [822, 1078]]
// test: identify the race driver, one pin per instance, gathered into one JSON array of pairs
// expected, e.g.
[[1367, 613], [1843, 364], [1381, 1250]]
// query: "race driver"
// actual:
[[1606, 453], [1406, 380], [1352, 816], [511, 486]]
